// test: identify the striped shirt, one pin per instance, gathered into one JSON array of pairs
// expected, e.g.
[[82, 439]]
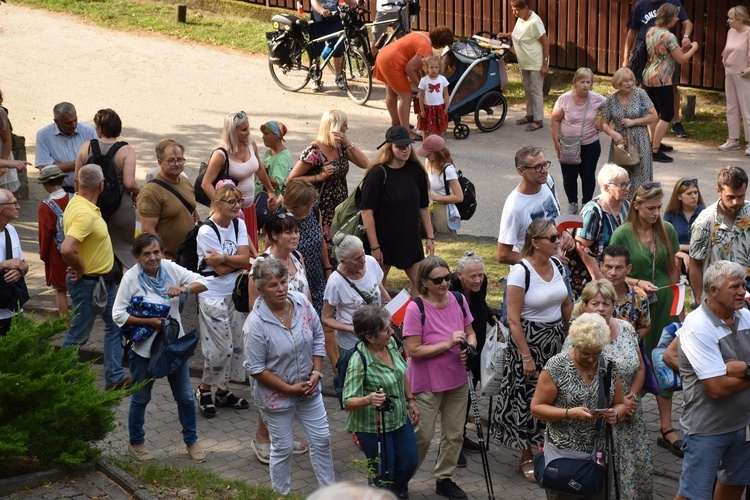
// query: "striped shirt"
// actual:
[[391, 379], [52, 146]]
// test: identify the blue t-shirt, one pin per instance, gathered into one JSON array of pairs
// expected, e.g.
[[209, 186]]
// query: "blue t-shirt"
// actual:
[[682, 225], [643, 16]]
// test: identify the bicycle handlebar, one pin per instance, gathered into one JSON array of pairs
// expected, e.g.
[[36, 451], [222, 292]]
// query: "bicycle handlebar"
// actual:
[[397, 4]]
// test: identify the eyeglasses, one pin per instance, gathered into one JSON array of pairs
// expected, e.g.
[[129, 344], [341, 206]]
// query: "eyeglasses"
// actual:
[[240, 116], [234, 203], [689, 182], [438, 281], [175, 161], [591, 356], [647, 186], [14, 203], [553, 238], [625, 186], [546, 165], [402, 148]]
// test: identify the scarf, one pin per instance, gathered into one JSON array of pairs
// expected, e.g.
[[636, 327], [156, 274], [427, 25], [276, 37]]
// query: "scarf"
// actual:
[[160, 284]]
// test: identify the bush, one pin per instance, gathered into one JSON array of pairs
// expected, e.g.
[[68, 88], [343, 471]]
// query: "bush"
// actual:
[[52, 411]]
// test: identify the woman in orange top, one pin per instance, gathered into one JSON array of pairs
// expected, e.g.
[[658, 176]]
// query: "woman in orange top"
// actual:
[[397, 67]]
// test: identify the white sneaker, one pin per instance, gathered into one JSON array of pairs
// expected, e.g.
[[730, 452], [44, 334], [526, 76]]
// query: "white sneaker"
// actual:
[[340, 82], [747, 150], [730, 144], [317, 85]]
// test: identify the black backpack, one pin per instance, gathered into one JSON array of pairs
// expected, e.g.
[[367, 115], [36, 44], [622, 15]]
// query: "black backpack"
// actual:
[[187, 251], [109, 199], [341, 365], [469, 205], [638, 61]]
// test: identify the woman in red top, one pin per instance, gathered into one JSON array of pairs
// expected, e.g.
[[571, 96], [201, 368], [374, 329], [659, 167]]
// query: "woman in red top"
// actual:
[[397, 66]]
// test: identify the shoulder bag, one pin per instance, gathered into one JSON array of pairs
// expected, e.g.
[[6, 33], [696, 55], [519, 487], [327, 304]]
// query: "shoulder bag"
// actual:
[[200, 195], [169, 351], [570, 147]]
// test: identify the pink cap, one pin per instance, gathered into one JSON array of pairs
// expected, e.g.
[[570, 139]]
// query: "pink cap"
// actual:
[[431, 144]]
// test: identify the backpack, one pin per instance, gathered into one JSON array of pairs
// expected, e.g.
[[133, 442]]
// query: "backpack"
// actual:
[[638, 61], [241, 293], [341, 365], [187, 251], [420, 304], [109, 199], [59, 228], [347, 217], [469, 205]]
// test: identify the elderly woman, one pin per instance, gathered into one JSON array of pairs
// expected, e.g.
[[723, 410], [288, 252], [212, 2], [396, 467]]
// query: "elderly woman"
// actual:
[[653, 244], [539, 310], [222, 251], [736, 60], [629, 110], [664, 54], [240, 152], [120, 224], [325, 164], [574, 117], [531, 46], [567, 393], [284, 349], [394, 202], [158, 282], [277, 158], [601, 216], [684, 206], [398, 65], [301, 201], [436, 337], [357, 281], [380, 405], [632, 449]]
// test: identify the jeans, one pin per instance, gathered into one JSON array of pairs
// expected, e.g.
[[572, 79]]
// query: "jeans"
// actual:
[[586, 169], [82, 292], [179, 381], [400, 455]]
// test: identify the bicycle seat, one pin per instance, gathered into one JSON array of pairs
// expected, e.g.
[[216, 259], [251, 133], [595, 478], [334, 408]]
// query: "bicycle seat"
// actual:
[[288, 20]]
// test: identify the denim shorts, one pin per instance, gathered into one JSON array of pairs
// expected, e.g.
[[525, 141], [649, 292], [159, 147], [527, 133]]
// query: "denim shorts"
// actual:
[[725, 457]]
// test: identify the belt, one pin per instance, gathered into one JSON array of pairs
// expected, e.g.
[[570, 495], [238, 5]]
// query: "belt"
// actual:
[[110, 276]]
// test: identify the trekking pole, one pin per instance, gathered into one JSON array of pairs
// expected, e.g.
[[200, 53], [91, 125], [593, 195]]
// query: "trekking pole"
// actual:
[[480, 437], [384, 407], [380, 461], [611, 451]]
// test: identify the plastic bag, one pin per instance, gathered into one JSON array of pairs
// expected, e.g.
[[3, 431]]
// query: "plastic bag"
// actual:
[[493, 360]]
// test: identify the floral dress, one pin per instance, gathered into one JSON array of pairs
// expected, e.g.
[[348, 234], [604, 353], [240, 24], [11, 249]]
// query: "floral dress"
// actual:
[[637, 107], [333, 191], [311, 247]]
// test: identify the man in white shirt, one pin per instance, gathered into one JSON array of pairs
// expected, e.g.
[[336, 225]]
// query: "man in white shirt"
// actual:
[[14, 269]]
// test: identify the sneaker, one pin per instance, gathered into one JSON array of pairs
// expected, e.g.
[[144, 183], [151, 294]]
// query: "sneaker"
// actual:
[[447, 488], [470, 445], [141, 455], [196, 453], [317, 85], [665, 149], [461, 460], [679, 130], [730, 144], [340, 82], [573, 208], [662, 158], [205, 402]]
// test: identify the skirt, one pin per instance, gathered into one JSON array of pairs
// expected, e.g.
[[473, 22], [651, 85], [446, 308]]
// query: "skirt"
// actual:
[[435, 121]]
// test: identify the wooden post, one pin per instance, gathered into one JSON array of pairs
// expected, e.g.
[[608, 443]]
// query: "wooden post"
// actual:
[[182, 14], [688, 109]]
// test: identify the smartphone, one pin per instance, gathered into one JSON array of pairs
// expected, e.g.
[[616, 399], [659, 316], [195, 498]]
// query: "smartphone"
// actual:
[[599, 410]]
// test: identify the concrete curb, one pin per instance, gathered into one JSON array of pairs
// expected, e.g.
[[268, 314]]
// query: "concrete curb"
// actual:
[[124, 480], [15, 484]]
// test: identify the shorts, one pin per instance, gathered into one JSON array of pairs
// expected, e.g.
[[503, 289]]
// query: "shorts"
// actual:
[[663, 99]]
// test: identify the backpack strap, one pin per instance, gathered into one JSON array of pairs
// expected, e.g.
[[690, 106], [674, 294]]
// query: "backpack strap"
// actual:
[[175, 193], [226, 160], [420, 305], [94, 147], [202, 264], [53, 206], [528, 276], [8, 245], [115, 148]]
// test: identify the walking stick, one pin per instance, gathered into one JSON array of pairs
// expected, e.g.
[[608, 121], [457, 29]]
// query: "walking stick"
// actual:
[[380, 461], [480, 437]]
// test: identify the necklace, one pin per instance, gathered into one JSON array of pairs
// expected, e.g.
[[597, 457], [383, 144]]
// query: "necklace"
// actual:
[[285, 316]]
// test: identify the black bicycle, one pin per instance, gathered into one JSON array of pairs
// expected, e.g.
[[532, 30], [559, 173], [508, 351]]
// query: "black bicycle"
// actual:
[[291, 61]]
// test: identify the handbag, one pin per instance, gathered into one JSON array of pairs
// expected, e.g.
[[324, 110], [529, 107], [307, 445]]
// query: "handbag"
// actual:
[[576, 472], [627, 154], [200, 195], [492, 361], [570, 147], [169, 351], [12, 295], [666, 378], [240, 293]]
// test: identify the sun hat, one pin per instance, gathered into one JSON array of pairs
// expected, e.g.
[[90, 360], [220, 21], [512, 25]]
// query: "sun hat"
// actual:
[[397, 135], [50, 173], [432, 144]]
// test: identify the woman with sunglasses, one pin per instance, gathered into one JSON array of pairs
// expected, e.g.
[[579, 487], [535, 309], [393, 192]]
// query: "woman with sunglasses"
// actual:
[[395, 199], [653, 244], [436, 338], [684, 206], [242, 157], [223, 250], [539, 310]]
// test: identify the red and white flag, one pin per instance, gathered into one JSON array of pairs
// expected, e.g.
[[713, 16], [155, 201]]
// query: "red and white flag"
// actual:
[[568, 221], [397, 307], [678, 298]]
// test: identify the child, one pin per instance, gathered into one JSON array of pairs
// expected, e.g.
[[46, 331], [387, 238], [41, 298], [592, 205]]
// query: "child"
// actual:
[[51, 178], [441, 171], [433, 99]]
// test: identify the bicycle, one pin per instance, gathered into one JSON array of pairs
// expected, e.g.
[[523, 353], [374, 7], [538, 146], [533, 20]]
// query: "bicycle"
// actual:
[[292, 64], [354, 21]]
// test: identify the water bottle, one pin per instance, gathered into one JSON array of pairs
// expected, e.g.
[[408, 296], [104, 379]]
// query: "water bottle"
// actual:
[[381, 41], [327, 50], [300, 9], [600, 459]]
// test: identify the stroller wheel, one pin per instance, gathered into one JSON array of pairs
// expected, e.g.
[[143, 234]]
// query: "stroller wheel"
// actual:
[[490, 112], [461, 131]]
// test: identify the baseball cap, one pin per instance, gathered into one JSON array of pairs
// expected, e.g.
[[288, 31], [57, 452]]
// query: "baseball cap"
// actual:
[[431, 144]]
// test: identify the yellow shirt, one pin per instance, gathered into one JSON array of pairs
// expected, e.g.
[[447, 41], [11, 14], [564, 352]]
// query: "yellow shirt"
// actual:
[[83, 221]]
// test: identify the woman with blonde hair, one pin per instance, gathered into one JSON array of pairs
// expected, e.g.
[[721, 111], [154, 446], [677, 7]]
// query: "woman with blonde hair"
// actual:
[[325, 164], [736, 60], [683, 208], [223, 250], [653, 244], [442, 175], [630, 110]]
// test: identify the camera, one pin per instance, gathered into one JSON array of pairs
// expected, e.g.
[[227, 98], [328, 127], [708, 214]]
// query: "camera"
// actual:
[[471, 354]]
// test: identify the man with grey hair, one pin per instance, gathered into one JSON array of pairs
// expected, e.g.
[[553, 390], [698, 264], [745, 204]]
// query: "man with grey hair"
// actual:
[[58, 143], [92, 273], [713, 354], [14, 268]]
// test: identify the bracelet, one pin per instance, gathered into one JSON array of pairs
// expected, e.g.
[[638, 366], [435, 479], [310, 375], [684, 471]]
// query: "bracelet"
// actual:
[[372, 249], [566, 414], [411, 399], [328, 269], [636, 283], [685, 36], [319, 374], [351, 146], [433, 239]]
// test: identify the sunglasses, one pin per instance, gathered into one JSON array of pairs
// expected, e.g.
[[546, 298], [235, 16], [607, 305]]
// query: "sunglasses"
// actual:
[[438, 281], [283, 215], [553, 238], [647, 186], [689, 182], [240, 116]]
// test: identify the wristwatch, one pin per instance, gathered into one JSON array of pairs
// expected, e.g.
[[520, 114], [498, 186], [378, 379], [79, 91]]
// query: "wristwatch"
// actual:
[[747, 369]]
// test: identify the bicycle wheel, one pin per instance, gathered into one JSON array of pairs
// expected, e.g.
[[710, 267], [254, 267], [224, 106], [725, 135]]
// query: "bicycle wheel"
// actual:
[[490, 112], [357, 76], [294, 75]]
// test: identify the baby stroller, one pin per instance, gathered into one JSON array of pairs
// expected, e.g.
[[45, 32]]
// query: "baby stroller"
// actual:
[[475, 69]]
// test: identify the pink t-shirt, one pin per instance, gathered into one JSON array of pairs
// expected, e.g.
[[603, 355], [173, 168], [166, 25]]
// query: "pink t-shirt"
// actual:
[[571, 122], [444, 371], [244, 173], [736, 53]]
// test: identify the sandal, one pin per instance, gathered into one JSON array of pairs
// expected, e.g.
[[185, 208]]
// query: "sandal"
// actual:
[[205, 402], [528, 472], [534, 126], [300, 448], [262, 451], [675, 448], [526, 119], [228, 399]]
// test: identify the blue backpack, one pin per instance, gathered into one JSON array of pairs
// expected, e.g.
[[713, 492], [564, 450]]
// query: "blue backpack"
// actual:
[[59, 228], [341, 365]]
